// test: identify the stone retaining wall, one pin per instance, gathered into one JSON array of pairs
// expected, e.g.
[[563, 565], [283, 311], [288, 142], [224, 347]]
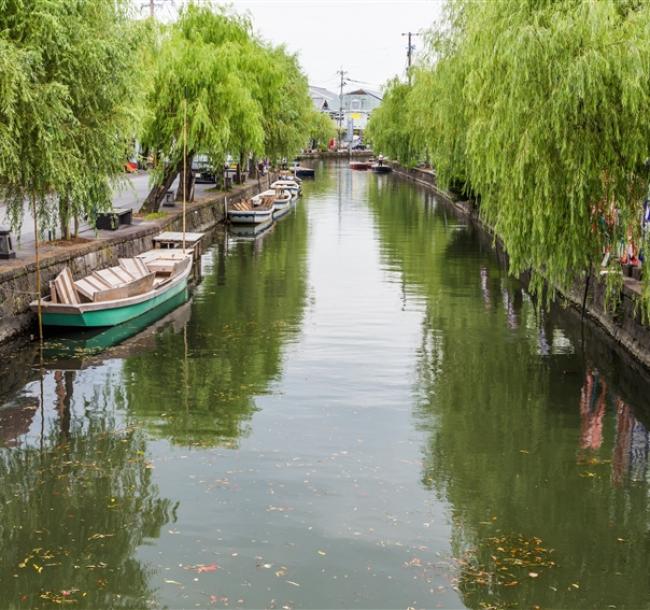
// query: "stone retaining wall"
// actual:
[[18, 277], [624, 326]]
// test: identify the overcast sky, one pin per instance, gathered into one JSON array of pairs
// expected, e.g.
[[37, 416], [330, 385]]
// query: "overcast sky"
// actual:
[[362, 36]]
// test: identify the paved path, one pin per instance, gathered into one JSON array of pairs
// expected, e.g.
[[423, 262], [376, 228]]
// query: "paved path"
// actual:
[[130, 194]]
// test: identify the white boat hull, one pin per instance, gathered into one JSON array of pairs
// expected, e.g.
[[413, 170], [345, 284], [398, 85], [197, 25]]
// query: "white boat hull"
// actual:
[[250, 217]]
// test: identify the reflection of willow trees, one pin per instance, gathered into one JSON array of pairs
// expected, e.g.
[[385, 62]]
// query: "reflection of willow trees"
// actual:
[[198, 386], [503, 432], [74, 511]]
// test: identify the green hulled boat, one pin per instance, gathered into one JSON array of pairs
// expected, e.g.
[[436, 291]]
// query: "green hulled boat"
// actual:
[[171, 270]]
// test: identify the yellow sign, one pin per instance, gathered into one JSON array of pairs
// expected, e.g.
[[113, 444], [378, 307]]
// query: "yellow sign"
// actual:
[[356, 116]]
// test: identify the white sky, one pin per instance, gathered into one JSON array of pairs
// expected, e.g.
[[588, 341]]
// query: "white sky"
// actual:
[[362, 36]]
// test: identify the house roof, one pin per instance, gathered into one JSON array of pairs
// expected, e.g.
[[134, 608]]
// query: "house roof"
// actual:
[[370, 92], [323, 99]]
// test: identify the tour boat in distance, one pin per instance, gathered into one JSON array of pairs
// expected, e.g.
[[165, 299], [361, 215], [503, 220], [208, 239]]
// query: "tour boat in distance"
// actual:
[[303, 172], [381, 169], [115, 295]]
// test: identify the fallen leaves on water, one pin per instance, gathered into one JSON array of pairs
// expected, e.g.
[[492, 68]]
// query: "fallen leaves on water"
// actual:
[[100, 536], [63, 597], [501, 561]]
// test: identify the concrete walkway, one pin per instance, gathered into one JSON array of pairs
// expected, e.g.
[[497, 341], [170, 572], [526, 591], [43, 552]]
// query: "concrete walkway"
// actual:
[[131, 193]]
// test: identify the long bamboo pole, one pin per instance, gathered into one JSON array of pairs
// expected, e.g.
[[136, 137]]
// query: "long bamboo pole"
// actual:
[[184, 165], [38, 275]]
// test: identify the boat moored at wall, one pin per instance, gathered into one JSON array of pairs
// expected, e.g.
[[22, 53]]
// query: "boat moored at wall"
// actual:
[[115, 295], [295, 188], [254, 211]]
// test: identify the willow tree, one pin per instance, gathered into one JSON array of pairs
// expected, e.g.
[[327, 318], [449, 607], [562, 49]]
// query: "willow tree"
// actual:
[[66, 91], [198, 90], [390, 130], [288, 108], [321, 129], [551, 104]]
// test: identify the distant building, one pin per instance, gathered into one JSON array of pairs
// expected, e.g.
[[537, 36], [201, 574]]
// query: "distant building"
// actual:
[[357, 107], [324, 100]]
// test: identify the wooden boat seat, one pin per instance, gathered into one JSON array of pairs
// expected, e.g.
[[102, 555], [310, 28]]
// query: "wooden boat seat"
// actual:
[[64, 287], [169, 266], [90, 288], [108, 277], [134, 266], [242, 206]]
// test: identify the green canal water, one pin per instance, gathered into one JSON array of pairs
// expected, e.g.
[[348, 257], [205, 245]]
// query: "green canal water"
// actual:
[[357, 410]]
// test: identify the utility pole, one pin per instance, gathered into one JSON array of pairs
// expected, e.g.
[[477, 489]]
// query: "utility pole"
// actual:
[[151, 5], [409, 51], [342, 74]]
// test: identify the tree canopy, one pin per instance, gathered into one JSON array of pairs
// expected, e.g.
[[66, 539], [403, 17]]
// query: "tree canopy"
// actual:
[[542, 108], [67, 86], [81, 79], [243, 96]]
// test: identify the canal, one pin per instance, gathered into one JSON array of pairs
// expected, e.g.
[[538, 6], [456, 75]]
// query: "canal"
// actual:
[[357, 410]]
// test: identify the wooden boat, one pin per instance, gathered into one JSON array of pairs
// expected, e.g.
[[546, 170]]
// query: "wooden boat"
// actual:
[[303, 172], [381, 169], [360, 165], [78, 348], [282, 203], [115, 295], [257, 210], [285, 174], [288, 185]]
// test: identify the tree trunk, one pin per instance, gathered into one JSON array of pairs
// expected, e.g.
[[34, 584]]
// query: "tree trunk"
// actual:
[[64, 217], [156, 194], [188, 180], [239, 167]]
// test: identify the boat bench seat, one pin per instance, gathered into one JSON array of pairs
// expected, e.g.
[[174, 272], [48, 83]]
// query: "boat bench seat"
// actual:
[[62, 289], [92, 290], [113, 276], [241, 206], [134, 267], [169, 266]]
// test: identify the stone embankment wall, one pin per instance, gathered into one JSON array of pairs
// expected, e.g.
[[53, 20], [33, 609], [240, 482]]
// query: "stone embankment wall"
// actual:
[[624, 326], [18, 276]]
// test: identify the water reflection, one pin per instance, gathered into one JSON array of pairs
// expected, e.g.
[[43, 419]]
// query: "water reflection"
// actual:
[[198, 387], [541, 458], [592, 410], [76, 501], [361, 409]]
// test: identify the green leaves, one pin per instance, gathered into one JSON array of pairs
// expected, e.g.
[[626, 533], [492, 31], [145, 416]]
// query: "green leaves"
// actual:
[[243, 96], [66, 92], [543, 108]]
